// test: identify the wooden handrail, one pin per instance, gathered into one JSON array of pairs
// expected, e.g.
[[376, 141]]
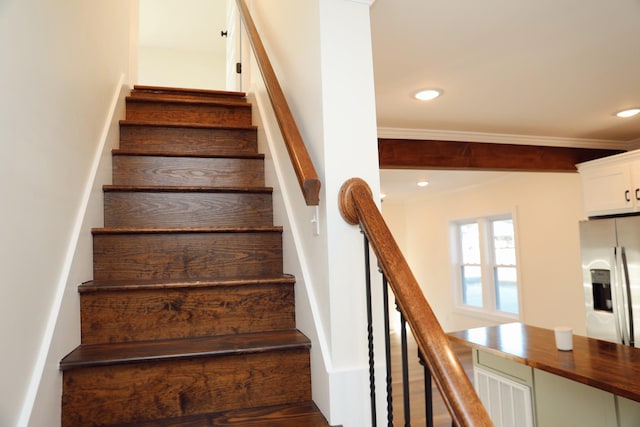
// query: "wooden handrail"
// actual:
[[357, 206], [302, 164]]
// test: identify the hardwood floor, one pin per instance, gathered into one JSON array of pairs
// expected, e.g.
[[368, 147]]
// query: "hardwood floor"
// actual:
[[441, 416]]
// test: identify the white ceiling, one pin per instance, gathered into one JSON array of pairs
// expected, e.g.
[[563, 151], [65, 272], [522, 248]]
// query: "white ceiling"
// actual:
[[401, 185], [538, 68]]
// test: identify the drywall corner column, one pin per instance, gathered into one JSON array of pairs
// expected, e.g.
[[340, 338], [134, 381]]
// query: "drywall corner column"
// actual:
[[321, 52], [350, 150]]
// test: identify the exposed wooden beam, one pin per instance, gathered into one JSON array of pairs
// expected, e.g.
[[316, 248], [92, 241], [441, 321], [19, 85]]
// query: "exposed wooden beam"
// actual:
[[430, 154]]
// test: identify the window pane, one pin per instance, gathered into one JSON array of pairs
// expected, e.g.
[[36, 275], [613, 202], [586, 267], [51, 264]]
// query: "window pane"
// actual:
[[504, 247], [472, 285], [506, 289], [470, 243]]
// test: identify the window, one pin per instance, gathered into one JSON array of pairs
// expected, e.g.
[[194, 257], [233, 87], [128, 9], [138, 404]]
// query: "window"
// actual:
[[485, 265]]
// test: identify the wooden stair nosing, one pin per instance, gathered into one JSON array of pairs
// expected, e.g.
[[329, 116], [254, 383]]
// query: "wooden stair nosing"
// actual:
[[212, 126], [191, 91], [184, 189], [139, 99], [212, 155], [92, 355], [303, 414], [113, 286], [185, 230]]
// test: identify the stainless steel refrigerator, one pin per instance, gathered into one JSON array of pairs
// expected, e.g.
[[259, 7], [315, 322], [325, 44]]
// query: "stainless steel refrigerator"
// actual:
[[611, 278]]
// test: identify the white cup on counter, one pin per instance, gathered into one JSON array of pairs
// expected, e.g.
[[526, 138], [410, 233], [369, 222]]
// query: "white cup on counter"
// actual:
[[564, 338]]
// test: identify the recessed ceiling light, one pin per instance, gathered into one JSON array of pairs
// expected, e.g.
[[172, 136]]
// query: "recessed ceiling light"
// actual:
[[428, 94], [423, 183], [628, 113]]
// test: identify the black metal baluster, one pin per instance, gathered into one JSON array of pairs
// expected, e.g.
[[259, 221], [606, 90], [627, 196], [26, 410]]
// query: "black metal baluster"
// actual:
[[405, 371], [428, 391], [372, 381], [387, 339]]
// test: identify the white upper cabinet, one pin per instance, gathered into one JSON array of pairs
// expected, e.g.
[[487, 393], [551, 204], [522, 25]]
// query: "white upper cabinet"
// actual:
[[611, 185]]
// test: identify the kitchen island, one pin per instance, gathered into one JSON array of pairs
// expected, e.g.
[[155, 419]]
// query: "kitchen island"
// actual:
[[595, 384]]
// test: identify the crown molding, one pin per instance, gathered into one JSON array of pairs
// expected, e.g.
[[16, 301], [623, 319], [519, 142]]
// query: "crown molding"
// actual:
[[503, 138], [634, 144]]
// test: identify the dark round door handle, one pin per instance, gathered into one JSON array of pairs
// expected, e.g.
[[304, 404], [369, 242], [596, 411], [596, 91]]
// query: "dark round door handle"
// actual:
[[626, 196], [637, 191]]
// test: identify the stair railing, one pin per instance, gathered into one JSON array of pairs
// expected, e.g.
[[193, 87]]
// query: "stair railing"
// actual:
[[300, 159], [358, 207]]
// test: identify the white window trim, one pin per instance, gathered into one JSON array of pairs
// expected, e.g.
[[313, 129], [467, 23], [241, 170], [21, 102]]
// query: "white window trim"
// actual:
[[488, 295]]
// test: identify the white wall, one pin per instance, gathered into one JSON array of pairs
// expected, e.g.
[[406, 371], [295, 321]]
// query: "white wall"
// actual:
[[547, 206], [321, 53], [60, 63], [159, 66]]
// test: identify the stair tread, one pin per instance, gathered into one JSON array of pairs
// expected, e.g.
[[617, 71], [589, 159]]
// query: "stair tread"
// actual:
[[92, 355], [212, 154], [193, 91], [304, 414], [105, 286], [137, 230], [142, 98], [129, 122], [184, 189]]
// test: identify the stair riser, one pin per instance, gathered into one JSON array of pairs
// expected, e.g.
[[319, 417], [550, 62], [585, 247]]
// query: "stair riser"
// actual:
[[187, 171], [169, 112], [190, 209], [186, 95], [187, 256], [187, 140], [139, 315], [156, 390]]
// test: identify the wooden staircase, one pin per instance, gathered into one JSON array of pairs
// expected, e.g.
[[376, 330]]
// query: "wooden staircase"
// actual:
[[189, 320]]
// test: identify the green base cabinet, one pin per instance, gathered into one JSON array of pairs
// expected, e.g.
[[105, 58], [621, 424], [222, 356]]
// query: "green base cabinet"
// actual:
[[628, 412], [561, 402]]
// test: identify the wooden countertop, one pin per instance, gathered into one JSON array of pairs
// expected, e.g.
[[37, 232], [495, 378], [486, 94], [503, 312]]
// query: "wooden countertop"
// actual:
[[608, 366]]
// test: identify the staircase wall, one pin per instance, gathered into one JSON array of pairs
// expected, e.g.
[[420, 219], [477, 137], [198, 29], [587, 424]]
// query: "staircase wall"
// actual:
[[63, 331], [56, 94]]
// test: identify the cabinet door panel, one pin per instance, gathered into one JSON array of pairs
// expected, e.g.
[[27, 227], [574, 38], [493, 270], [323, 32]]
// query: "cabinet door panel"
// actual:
[[607, 190], [561, 402], [628, 412], [635, 182]]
